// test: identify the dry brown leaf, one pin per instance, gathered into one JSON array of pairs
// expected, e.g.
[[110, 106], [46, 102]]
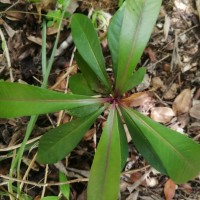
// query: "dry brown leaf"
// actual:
[[182, 103], [169, 189], [137, 99], [195, 111], [89, 134], [162, 114], [151, 54], [157, 83], [171, 92]]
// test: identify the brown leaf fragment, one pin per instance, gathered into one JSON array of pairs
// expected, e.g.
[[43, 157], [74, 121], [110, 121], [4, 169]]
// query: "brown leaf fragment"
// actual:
[[195, 111], [182, 103], [89, 134], [151, 54], [162, 114], [171, 92], [169, 189], [137, 99], [157, 83]]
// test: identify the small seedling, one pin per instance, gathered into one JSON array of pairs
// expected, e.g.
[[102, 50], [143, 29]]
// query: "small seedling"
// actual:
[[168, 151]]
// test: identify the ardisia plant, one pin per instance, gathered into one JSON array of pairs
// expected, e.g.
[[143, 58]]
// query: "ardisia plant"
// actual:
[[93, 91]]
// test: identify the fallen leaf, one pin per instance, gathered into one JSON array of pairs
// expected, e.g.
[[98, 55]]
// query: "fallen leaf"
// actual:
[[182, 103], [151, 54], [171, 92], [166, 27], [89, 134], [157, 83], [195, 111], [137, 99], [169, 189], [133, 196], [162, 114], [186, 187]]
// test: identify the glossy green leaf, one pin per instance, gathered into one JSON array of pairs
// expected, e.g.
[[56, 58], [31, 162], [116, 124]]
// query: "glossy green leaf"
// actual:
[[65, 189], [83, 111], [166, 150], [78, 85], [123, 145], [105, 172], [135, 79], [86, 40], [60, 141], [128, 34], [89, 75], [24, 100]]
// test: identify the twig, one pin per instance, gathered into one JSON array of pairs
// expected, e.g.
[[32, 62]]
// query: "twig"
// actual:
[[45, 180], [28, 170], [65, 182], [19, 145]]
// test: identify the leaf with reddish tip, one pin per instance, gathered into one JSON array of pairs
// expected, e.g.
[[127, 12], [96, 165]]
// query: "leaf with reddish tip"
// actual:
[[106, 167]]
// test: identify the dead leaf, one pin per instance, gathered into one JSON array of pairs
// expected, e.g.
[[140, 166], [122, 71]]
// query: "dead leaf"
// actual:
[[157, 83], [195, 111], [169, 189], [36, 40], [137, 99], [166, 27], [186, 187], [89, 134], [162, 114], [151, 54], [171, 92], [133, 196], [182, 103]]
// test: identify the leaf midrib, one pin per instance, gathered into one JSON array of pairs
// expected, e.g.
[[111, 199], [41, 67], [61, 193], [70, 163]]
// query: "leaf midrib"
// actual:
[[108, 152], [94, 55], [135, 36], [181, 156]]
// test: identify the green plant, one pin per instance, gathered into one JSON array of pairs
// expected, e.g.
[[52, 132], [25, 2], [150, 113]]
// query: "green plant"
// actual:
[[169, 152]]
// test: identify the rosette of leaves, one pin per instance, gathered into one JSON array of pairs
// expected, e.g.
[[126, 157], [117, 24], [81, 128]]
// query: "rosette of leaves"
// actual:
[[168, 151]]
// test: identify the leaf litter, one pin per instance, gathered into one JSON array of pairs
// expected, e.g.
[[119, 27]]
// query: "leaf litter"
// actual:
[[164, 95]]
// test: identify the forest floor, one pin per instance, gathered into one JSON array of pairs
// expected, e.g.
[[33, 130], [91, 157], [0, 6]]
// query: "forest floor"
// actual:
[[172, 59]]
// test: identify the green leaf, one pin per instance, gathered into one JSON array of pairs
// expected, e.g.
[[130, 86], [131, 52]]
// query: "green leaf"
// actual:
[[123, 144], [78, 85], [135, 79], [24, 100], [60, 141], [50, 198], [128, 34], [106, 167], [83, 111], [86, 39], [65, 189], [166, 150], [89, 75]]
